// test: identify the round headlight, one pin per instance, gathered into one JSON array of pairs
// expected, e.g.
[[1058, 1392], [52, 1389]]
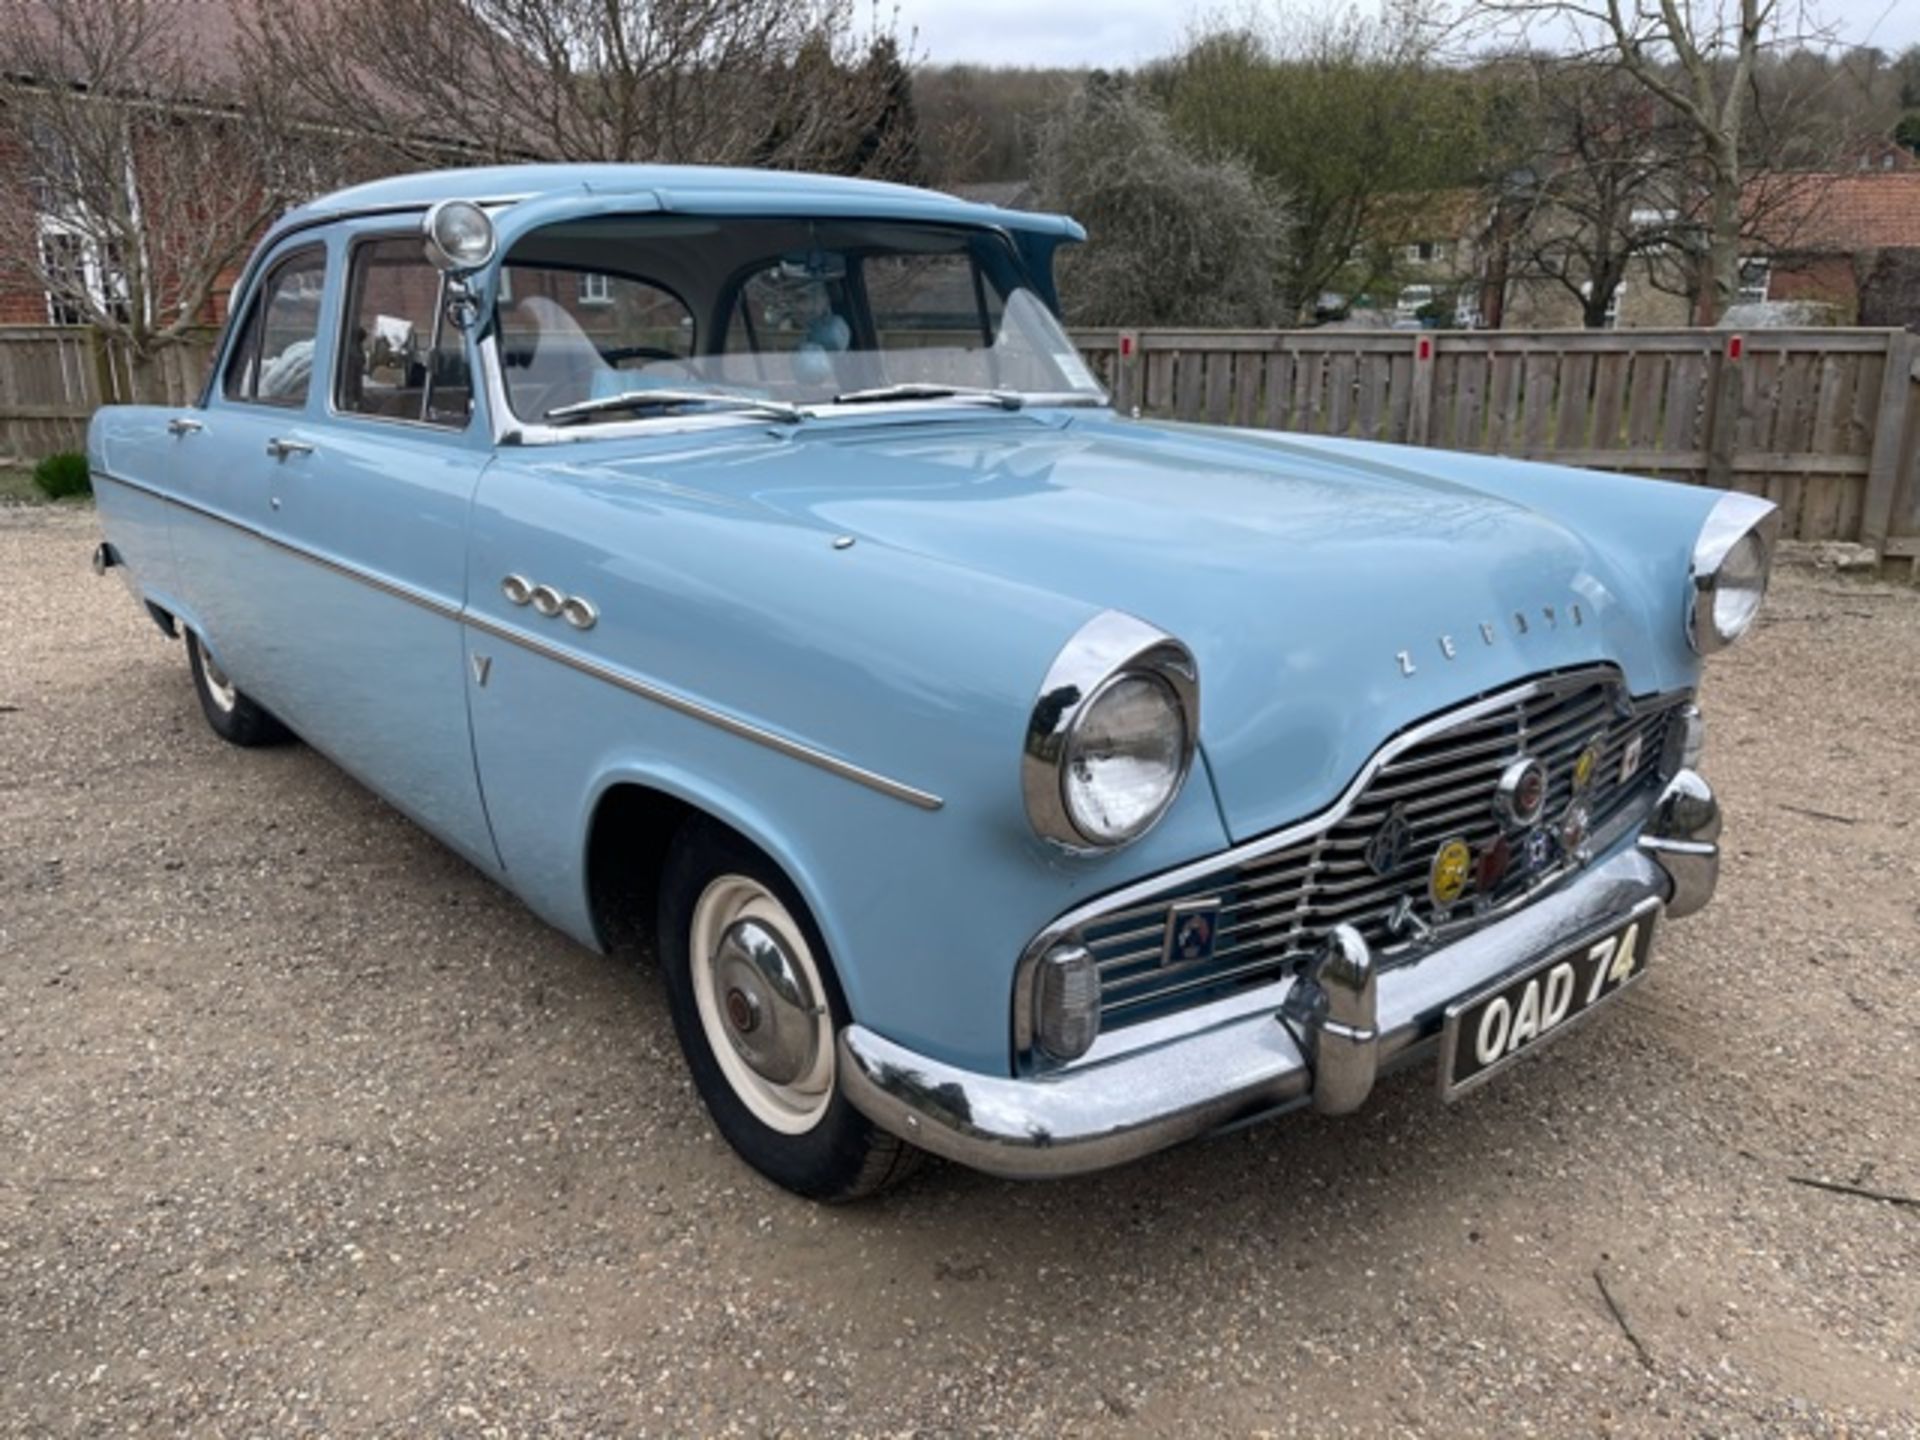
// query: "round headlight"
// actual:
[[459, 235], [1739, 587], [1125, 757], [1111, 736], [1731, 559]]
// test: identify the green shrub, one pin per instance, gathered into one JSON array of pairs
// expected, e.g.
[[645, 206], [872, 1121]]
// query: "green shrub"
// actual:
[[62, 475]]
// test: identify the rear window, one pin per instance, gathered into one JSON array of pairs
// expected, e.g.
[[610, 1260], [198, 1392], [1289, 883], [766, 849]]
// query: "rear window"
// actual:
[[272, 364]]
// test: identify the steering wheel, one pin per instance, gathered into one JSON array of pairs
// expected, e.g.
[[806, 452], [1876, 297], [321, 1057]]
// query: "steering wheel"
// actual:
[[642, 352]]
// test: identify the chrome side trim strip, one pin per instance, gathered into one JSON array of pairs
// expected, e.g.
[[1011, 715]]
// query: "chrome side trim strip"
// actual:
[[632, 684], [421, 598], [719, 719]]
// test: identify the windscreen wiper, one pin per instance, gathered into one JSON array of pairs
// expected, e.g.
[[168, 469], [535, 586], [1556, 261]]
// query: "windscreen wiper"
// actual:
[[674, 400], [917, 390]]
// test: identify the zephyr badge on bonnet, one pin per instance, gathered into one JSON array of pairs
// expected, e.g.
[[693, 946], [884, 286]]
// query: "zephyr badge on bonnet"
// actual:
[[1450, 648]]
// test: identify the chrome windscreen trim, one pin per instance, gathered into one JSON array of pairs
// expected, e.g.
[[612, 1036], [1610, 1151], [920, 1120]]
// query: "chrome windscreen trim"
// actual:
[[1150, 888], [632, 684]]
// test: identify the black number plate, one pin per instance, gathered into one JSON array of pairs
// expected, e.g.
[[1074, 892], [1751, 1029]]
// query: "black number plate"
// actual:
[[1491, 1030]]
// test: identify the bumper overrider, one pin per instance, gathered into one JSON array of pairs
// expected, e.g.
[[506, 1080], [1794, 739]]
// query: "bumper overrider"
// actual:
[[1329, 1033]]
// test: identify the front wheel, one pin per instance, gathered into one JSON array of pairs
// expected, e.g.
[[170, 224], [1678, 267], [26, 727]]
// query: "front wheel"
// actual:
[[234, 717], [756, 1008]]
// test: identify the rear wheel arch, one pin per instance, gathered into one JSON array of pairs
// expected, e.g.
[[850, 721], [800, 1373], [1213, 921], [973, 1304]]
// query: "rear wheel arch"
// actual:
[[163, 617]]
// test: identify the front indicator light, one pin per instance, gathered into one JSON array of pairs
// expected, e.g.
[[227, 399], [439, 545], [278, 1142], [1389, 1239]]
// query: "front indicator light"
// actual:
[[1066, 1002]]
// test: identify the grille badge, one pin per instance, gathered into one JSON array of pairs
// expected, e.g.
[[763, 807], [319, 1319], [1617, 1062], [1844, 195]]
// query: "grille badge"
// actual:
[[1387, 850], [1585, 767], [1521, 794], [1192, 928], [1491, 865], [1630, 760], [1575, 827], [1538, 850], [1447, 878]]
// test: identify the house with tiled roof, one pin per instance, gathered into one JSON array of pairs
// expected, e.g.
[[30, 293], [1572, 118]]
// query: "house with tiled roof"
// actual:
[[1848, 240], [1845, 243], [221, 144]]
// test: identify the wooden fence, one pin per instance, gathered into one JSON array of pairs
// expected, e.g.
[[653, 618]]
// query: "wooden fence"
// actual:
[[1825, 422], [53, 377], [1818, 420]]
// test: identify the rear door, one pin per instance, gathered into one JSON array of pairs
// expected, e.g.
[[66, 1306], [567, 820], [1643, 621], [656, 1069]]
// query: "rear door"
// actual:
[[220, 468]]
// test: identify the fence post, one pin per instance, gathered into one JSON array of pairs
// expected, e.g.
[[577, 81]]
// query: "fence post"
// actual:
[[1723, 410], [1889, 435], [1420, 405], [105, 391], [1126, 372]]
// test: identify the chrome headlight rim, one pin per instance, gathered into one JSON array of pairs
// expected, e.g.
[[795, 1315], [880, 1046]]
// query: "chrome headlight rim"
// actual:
[[1105, 651], [1734, 521]]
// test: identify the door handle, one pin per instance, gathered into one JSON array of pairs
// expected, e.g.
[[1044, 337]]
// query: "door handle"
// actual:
[[279, 447], [182, 425]]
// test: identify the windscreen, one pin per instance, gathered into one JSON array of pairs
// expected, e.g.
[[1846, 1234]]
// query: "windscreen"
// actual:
[[798, 311]]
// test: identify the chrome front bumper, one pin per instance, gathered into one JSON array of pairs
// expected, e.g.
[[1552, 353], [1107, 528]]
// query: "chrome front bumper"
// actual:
[[1352, 1023]]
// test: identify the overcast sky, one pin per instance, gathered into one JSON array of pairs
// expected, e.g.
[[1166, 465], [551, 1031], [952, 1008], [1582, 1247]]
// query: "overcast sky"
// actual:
[[1115, 33]]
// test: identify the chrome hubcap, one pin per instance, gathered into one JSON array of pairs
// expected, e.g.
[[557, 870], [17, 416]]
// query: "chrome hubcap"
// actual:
[[771, 1011], [762, 1004]]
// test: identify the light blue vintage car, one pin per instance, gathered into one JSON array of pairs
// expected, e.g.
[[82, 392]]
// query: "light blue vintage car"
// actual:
[[749, 561]]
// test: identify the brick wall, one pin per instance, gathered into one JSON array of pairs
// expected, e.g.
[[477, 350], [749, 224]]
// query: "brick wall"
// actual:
[[1829, 279]]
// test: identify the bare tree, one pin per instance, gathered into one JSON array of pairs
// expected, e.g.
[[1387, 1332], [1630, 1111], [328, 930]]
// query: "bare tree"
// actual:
[[1603, 185], [783, 83], [134, 169], [1176, 238], [1698, 58]]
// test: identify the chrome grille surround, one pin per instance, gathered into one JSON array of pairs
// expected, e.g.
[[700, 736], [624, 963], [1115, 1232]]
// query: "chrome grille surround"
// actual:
[[1279, 895]]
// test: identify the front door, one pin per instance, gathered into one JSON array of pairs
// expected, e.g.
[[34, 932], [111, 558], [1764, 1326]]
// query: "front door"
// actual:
[[362, 498]]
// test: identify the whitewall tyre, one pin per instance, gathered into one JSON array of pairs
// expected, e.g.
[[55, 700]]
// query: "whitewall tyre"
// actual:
[[757, 1010]]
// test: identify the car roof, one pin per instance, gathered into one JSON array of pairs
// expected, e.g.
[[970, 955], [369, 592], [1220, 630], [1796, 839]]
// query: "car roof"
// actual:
[[687, 185]]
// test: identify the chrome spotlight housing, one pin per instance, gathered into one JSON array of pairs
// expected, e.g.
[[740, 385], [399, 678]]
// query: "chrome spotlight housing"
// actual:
[[459, 236]]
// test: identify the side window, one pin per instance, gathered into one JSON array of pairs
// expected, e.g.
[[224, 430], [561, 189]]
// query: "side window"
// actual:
[[273, 361], [398, 358], [569, 335], [792, 306], [918, 301]]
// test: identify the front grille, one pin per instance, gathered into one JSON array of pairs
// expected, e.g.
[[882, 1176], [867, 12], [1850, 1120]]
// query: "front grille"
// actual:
[[1275, 910]]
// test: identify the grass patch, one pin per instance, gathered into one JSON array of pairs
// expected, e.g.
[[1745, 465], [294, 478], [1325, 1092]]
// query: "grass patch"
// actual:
[[17, 487], [16, 482]]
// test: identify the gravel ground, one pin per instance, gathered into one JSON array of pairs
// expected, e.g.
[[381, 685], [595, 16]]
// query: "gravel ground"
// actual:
[[307, 1128]]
